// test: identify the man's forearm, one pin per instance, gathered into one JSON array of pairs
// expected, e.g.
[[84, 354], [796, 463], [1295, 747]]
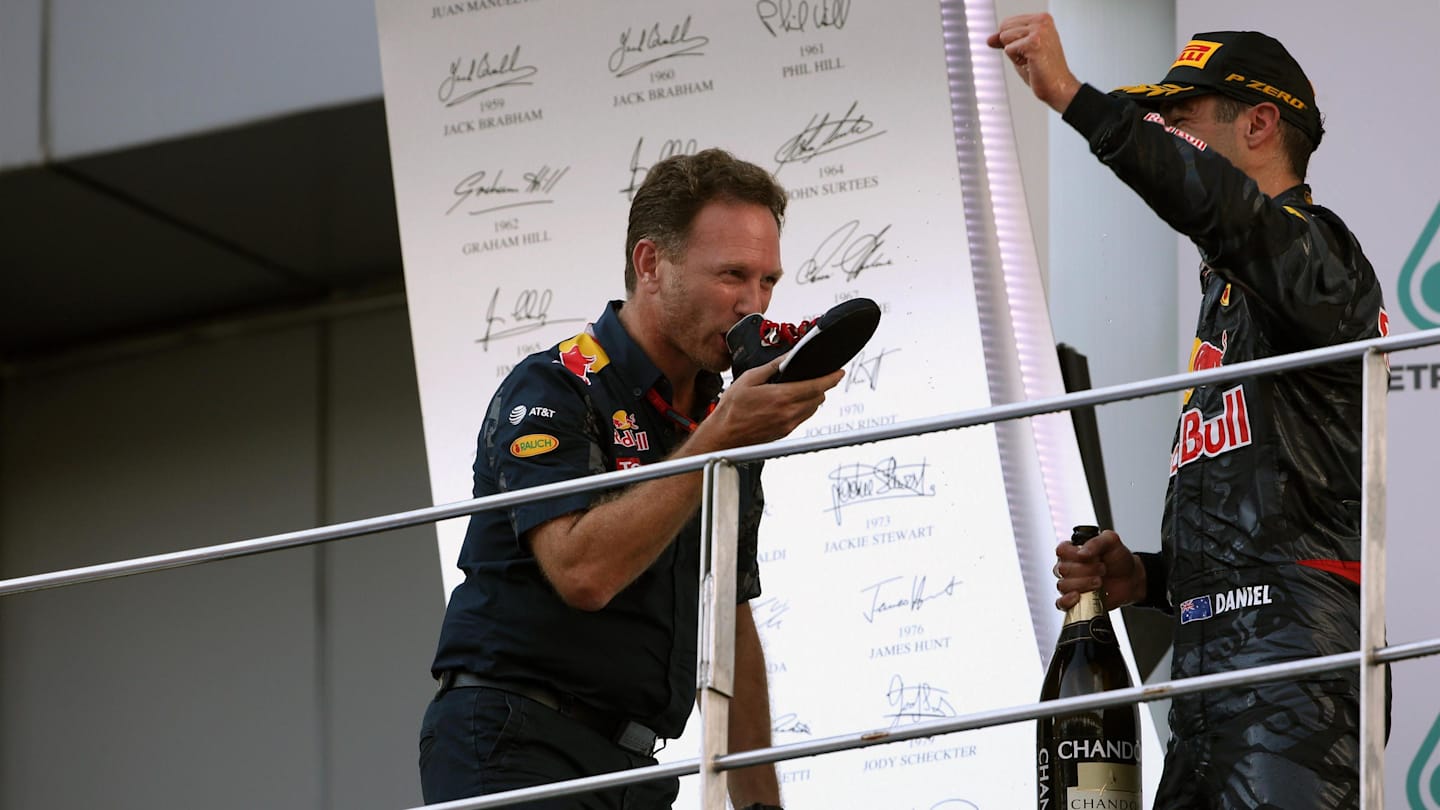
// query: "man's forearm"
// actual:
[[590, 556], [750, 715]]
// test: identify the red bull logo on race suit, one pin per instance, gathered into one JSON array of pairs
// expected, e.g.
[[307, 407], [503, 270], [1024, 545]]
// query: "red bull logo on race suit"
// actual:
[[1205, 354], [1208, 438]]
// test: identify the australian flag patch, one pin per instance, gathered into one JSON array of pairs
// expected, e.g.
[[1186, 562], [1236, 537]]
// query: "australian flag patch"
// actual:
[[1194, 610]]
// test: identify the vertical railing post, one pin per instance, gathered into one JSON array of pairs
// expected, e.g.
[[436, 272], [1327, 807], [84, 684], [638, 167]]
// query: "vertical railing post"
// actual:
[[1372, 595], [716, 671]]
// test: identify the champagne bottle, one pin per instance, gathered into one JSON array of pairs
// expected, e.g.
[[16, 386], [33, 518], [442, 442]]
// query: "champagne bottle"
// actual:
[[1088, 759]]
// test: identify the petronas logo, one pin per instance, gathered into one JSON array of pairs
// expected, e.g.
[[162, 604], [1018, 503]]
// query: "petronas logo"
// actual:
[[1422, 783], [1420, 278]]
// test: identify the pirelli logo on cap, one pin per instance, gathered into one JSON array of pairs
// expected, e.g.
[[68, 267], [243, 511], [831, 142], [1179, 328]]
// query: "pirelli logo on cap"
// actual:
[[533, 444], [1196, 53]]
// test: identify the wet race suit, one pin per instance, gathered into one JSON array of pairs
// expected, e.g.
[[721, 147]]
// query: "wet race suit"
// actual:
[[1261, 533]]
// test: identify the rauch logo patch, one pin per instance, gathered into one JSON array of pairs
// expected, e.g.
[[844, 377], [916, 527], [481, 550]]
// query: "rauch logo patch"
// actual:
[[533, 444]]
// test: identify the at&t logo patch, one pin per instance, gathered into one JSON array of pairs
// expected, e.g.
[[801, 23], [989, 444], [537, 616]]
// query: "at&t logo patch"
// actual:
[[519, 412]]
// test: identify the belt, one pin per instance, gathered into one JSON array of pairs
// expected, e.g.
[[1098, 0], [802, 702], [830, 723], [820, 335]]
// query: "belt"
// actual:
[[627, 734]]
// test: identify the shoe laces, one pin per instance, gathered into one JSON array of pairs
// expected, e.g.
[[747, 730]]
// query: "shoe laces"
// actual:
[[774, 333]]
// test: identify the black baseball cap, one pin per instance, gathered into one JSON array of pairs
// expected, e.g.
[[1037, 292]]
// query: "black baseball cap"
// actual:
[[1245, 65]]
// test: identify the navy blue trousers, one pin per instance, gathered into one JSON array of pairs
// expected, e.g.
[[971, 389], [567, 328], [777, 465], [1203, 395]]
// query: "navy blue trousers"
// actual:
[[476, 740]]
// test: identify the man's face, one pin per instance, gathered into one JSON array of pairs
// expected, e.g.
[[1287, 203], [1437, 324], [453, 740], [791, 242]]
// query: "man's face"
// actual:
[[727, 270], [1196, 115]]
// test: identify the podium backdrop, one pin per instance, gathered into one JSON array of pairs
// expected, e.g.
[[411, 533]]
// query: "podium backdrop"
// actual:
[[893, 586]]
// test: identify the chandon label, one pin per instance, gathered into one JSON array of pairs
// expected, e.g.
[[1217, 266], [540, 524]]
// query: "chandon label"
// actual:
[[1098, 749]]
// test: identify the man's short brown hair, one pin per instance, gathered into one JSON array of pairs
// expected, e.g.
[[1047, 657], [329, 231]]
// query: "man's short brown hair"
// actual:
[[677, 188], [1297, 145]]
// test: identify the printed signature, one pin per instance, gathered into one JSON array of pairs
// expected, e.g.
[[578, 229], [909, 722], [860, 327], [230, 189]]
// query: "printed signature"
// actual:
[[883, 598], [864, 370], [656, 45], [668, 148], [916, 704], [790, 16], [538, 185], [845, 252], [789, 724], [530, 311], [823, 135], [857, 483], [769, 612], [470, 78]]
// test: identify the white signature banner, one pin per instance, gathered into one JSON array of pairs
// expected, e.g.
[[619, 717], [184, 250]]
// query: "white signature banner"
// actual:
[[519, 132]]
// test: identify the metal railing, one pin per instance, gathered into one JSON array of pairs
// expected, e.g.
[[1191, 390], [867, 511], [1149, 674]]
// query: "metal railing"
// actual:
[[719, 510]]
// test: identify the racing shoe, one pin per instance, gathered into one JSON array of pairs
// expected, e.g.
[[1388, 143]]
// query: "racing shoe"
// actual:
[[815, 347]]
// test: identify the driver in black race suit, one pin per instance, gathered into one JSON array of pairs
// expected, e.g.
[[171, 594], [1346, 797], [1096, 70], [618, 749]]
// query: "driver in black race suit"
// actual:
[[1261, 533]]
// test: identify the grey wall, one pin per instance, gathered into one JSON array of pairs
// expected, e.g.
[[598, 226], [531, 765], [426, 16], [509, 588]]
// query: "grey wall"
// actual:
[[293, 679], [1112, 260], [85, 76], [1112, 281], [1108, 262], [20, 97]]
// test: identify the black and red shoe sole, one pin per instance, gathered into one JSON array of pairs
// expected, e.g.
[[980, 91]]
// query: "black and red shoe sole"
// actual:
[[832, 342]]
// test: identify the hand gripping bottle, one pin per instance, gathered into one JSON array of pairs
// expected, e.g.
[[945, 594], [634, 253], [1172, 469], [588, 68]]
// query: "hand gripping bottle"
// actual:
[[1091, 758]]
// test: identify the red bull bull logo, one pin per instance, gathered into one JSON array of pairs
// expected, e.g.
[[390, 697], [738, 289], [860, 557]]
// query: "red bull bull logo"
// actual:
[[627, 431], [1204, 355], [582, 356], [1207, 355], [1208, 438]]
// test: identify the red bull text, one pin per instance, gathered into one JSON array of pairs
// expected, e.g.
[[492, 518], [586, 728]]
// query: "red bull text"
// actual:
[[1208, 438]]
